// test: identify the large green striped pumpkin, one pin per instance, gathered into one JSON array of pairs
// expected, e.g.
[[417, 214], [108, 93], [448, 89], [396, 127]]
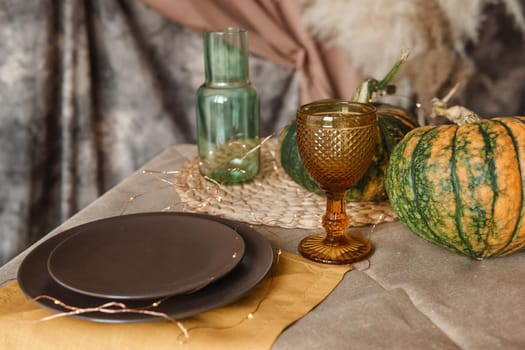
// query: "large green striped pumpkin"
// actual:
[[462, 187], [394, 123]]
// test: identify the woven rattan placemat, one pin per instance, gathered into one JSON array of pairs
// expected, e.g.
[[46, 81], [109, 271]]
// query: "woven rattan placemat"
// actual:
[[273, 198]]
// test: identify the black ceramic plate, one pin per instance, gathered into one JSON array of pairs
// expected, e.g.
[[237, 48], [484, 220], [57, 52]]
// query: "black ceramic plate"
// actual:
[[34, 280], [145, 256]]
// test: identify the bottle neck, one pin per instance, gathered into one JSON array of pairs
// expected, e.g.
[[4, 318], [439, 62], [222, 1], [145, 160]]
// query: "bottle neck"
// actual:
[[226, 56]]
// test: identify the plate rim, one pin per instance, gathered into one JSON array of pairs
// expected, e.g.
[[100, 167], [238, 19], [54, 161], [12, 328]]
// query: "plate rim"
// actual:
[[254, 241]]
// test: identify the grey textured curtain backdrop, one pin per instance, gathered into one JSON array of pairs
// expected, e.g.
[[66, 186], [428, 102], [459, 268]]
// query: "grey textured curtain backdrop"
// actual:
[[89, 91]]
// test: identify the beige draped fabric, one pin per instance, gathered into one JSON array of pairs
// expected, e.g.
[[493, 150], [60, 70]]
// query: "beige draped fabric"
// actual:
[[276, 33]]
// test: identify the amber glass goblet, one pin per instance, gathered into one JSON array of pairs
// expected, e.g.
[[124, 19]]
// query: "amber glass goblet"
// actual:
[[337, 141]]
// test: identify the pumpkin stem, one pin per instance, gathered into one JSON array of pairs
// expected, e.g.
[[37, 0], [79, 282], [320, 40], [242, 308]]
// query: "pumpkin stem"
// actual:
[[383, 84], [456, 114], [370, 86]]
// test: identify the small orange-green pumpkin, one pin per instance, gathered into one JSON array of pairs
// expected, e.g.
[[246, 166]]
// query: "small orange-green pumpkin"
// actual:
[[393, 122], [463, 187]]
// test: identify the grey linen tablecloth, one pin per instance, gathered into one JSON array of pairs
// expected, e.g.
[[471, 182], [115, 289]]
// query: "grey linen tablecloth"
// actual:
[[412, 295]]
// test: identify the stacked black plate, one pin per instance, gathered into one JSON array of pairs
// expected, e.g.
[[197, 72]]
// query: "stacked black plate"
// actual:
[[199, 262]]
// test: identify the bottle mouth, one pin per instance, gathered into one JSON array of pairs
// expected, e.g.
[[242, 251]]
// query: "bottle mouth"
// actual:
[[226, 55], [228, 31]]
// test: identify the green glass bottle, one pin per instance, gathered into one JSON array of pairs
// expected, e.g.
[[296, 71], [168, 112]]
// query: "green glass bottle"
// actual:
[[227, 108]]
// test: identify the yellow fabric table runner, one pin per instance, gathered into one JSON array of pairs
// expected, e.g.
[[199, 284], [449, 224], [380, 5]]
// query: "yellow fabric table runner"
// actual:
[[254, 322]]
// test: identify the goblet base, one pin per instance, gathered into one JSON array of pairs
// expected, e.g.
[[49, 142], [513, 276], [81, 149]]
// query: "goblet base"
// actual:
[[314, 248]]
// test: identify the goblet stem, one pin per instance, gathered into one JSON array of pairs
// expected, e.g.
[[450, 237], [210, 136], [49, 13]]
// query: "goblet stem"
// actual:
[[335, 245], [335, 221]]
